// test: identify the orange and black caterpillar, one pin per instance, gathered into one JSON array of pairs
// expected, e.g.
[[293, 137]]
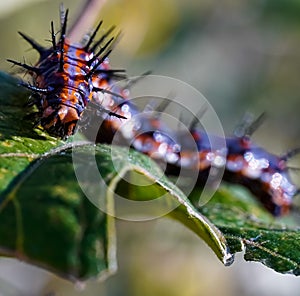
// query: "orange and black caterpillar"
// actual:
[[69, 77], [65, 79]]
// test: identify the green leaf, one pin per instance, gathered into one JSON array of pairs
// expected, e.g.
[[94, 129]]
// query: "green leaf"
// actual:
[[47, 220], [52, 223], [248, 227]]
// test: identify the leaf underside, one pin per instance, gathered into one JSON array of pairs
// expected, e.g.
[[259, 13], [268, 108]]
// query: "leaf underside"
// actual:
[[47, 219]]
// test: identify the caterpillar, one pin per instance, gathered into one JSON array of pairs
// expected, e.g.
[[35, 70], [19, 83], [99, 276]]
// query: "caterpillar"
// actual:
[[69, 78]]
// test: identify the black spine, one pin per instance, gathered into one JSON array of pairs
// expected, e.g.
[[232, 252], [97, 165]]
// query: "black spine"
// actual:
[[62, 42], [196, 120], [103, 90], [41, 50], [25, 66], [53, 37], [99, 62], [91, 39], [102, 39], [102, 49], [290, 154], [35, 88]]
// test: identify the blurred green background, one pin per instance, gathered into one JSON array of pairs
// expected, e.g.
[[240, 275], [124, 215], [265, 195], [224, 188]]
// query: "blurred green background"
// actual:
[[243, 56]]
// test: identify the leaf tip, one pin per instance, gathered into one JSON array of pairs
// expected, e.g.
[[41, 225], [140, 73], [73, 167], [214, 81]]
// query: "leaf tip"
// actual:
[[228, 258]]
